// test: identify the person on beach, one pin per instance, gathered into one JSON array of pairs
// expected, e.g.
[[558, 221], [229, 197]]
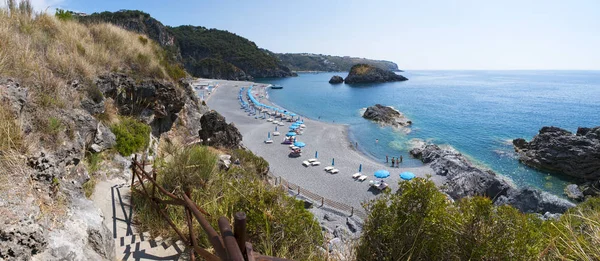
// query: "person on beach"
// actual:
[[386, 159], [376, 140], [393, 162], [356, 144]]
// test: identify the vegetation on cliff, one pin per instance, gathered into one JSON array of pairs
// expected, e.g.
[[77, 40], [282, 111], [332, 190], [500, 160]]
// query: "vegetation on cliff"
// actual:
[[329, 63], [278, 225], [420, 223], [364, 73]]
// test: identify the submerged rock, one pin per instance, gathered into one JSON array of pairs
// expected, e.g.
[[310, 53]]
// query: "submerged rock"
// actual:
[[572, 191], [364, 73], [465, 179], [386, 115], [559, 151], [336, 79]]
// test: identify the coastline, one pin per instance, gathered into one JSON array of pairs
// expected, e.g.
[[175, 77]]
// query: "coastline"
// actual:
[[331, 140]]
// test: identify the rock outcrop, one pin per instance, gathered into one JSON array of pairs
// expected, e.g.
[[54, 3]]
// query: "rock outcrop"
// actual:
[[464, 179], [386, 115], [336, 79], [363, 73], [559, 151], [217, 133], [158, 102]]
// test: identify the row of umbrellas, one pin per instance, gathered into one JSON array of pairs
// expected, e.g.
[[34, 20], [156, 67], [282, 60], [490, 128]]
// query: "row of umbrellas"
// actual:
[[381, 174], [259, 104]]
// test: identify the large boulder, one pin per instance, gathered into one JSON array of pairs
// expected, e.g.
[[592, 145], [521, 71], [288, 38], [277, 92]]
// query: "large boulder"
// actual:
[[386, 115], [364, 73], [336, 79], [161, 98], [216, 132], [465, 179], [559, 151]]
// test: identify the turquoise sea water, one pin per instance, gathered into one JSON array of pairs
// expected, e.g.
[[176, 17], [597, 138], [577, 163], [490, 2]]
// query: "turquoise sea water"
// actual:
[[476, 112]]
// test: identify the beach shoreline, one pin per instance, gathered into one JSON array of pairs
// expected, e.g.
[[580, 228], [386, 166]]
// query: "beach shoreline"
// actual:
[[331, 140]]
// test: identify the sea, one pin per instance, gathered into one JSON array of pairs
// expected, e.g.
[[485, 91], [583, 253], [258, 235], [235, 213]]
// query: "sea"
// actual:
[[478, 113]]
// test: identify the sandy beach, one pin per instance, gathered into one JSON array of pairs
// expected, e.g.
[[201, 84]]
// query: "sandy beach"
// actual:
[[330, 140]]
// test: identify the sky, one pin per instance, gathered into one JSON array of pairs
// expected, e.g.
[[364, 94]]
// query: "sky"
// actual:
[[425, 34]]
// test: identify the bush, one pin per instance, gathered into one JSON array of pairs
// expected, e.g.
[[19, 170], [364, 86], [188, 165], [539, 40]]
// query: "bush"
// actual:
[[11, 137], [63, 15], [131, 135], [143, 40], [278, 225]]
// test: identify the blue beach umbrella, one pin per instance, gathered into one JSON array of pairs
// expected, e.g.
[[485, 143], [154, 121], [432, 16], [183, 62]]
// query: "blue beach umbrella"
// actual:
[[360, 168], [299, 121], [333, 162], [381, 174], [269, 135], [291, 134], [316, 154], [299, 144], [292, 114], [407, 175], [296, 124], [293, 127]]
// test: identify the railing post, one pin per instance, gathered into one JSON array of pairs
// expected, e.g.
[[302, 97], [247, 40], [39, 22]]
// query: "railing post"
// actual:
[[153, 186], [133, 166], [239, 231], [322, 201], [352, 212], [231, 246], [193, 243]]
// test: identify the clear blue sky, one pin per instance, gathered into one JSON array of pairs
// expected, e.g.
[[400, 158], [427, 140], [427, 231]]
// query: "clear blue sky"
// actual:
[[427, 34]]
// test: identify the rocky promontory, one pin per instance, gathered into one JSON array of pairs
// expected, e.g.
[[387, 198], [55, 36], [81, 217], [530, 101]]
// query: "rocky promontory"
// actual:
[[386, 115], [336, 79], [466, 179], [364, 73], [559, 151]]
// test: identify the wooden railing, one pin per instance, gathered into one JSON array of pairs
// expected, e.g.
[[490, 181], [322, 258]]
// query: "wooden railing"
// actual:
[[231, 244]]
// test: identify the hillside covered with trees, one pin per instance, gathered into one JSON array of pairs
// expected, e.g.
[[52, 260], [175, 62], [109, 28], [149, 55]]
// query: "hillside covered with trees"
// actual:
[[329, 63]]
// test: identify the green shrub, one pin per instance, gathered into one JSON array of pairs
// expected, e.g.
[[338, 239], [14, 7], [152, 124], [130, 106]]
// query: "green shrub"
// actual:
[[277, 225], [131, 135], [94, 93], [143, 40], [88, 187], [54, 126], [63, 15]]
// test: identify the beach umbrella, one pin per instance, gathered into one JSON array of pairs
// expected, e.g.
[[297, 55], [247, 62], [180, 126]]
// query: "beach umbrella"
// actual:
[[382, 174], [291, 134], [299, 144], [292, 114], [293, 127], [333, 162], [316, 154], [299, 121], [296, 125], [269, 135], [407, 175], [360, 168], [275, 128]]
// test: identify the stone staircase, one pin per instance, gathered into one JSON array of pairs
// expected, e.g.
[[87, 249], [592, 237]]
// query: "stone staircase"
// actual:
[[114, 198]]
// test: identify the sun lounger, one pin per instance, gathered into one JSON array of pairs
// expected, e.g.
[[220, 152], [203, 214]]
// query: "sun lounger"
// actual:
[[356, 175], [316, 163], [268, 141], [306, 163], [362, 178], [275, 122], [269, 120], [293, 147], [334, 171], [276, 133], [302, 126], [328, 168], [312, 160], [280, 124]]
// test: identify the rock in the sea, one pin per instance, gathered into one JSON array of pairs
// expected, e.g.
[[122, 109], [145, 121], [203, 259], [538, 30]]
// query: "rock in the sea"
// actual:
[[386, 115], [572, 191], [465, 179], [364, 73], [559, 151], [336, 79], [216, 132]]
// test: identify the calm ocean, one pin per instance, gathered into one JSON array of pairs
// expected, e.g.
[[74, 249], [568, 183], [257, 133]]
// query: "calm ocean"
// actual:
[[476, 112]]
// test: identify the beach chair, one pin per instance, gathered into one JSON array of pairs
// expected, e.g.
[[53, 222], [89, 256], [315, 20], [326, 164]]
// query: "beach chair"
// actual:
[[334, 171], [306, 163], [275, 122], [268, 141], [312, 160], [269, 120], [280, 124], [302, 126], [276, 133], [315, 163], [356, 175], [362, 178], [328, 168]]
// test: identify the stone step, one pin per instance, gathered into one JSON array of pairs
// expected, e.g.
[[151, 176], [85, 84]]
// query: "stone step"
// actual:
[[142, 246]]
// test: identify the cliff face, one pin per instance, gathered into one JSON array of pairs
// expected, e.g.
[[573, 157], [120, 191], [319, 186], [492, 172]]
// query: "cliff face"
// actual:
[[386, 115], [560, 151], [329, 63], [364, 73]]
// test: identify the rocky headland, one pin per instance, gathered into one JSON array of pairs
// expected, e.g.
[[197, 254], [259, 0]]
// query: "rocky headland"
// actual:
[[386, 115], [336, 79], [559, 151], [364, 73], [465, 179]]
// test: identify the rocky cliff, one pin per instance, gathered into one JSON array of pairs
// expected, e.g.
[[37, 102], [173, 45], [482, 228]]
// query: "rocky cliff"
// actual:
[[217, 133], [364, 73], [386, 115], [329, 63], [336, 79], [559, 151], [465, 179]]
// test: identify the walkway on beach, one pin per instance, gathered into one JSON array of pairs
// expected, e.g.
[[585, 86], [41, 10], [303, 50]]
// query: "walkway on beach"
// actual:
[[330, 140]]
